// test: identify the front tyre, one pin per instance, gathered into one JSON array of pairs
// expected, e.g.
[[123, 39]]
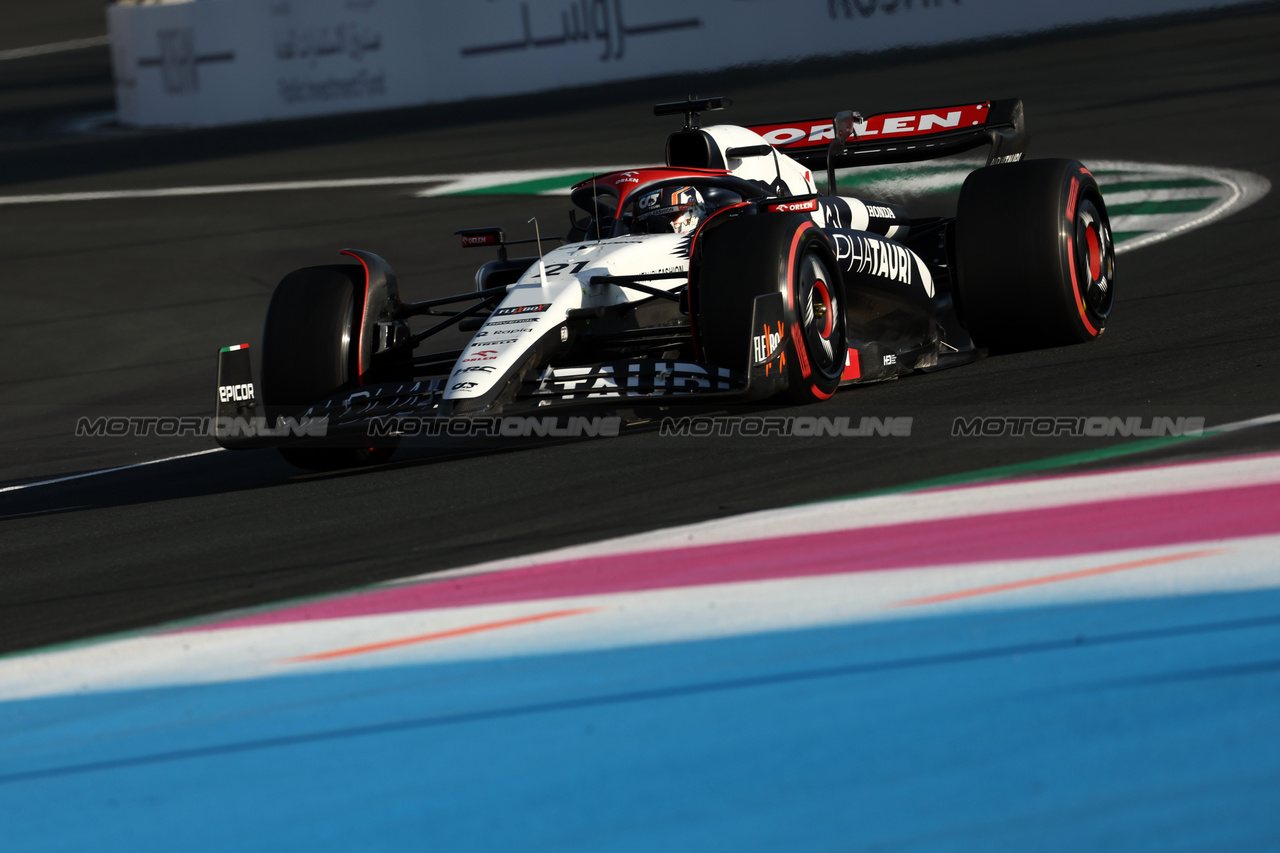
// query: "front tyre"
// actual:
[[1034, 255], [751, 256], [309, 352], [818, 338]]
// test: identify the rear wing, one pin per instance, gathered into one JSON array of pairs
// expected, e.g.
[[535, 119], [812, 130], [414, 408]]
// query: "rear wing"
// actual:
[[903, 137]]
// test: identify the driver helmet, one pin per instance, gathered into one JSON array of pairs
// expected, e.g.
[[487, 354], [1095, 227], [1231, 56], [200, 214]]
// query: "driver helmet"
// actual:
[[677, 211]]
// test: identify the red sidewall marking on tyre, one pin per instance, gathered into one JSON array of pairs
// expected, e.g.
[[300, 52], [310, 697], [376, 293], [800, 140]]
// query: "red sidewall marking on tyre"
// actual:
[[792, 301], [360, 334], [801, 352], [1071, 255], [791, 265], [1075, 287]]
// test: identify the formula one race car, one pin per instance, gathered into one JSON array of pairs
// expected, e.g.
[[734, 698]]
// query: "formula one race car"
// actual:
[[722, 277]]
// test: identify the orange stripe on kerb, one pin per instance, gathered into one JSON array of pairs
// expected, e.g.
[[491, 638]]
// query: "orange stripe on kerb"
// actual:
[[439, 635], [1065, 576]]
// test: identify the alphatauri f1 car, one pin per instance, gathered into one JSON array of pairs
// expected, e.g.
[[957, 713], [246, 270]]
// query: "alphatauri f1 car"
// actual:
[[723, 276]]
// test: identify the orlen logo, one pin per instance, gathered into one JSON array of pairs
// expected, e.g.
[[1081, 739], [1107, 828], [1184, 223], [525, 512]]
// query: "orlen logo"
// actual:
[[483, 355], [887, 124], [794, 206], [628, 178], [227, 393], [479, 240], [765, 346]]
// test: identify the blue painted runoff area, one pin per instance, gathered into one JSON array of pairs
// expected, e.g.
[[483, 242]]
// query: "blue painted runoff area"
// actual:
[[1142, 725]]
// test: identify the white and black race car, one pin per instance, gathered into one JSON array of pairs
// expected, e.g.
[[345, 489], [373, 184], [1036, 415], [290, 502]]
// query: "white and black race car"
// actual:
[[721, 277]]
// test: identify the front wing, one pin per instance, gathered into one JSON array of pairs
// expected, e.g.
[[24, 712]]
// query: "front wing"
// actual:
[[386, 414]]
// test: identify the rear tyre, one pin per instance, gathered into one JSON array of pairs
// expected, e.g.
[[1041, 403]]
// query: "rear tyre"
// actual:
[[309, 351], [1034, 256], [772, 253]]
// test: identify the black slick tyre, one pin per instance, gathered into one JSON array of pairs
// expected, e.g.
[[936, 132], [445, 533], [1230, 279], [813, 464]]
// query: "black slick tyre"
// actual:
[[1034, 256], [309, 352], [772, 253]]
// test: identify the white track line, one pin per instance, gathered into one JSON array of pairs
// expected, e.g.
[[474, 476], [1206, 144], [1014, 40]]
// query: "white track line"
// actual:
[[228, 189], [22, 486], [1252, 422], [453, 183], [488, 180], [55, 47], [1245, 188]]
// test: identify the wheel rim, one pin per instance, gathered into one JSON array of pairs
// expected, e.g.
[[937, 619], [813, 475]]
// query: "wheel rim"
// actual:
[[819, 312], [1095, 260], [822, 308]]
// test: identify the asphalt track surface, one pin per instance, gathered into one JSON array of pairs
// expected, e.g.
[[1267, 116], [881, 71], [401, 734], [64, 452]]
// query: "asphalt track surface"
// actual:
[[118, 307]]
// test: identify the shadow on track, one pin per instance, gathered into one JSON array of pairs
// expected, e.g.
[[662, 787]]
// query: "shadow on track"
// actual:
[[215, 474]]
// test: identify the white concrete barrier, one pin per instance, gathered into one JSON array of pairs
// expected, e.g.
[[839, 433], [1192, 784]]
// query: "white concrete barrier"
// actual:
[[210, 62]]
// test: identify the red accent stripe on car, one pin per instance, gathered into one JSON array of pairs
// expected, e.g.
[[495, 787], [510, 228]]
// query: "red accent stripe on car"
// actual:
[[852, 369]]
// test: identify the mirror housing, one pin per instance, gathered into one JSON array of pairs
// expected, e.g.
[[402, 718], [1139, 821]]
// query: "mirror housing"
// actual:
[[842, 124], [842, 127], [474, 237]]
